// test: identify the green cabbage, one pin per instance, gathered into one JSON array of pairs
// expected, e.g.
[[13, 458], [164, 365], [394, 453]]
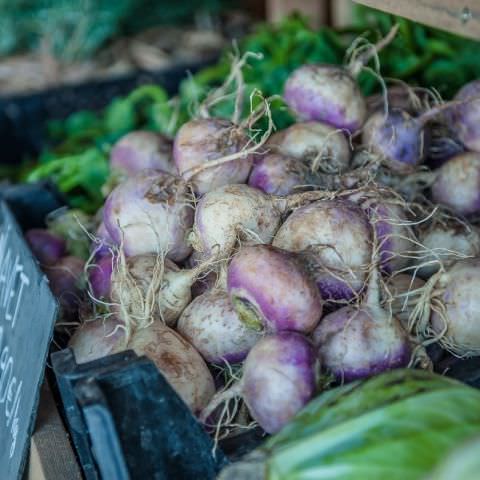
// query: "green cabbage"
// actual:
[[396, 426]]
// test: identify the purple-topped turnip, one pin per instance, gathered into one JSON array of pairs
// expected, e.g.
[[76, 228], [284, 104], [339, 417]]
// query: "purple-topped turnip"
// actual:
[[47, 247], [203, 140], [360, 341], [140, 150], [100, 276], [151, 213], [334, 238], [330, 93], [277, 174], [212, 326], [270, 290], [279, 379]]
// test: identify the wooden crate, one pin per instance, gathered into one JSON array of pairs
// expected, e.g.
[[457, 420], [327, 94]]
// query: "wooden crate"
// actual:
[[457, 16]]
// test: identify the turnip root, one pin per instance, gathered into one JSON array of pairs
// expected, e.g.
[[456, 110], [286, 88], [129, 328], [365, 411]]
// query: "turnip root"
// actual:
[[176, 359], [47, 247], [279, 378], [270, 290], [465, 118], [449, 310], [316, 145], [456, 184], [360, 341], [334, 238], [444, 244], [330, 93], [212, 326], [404, 293], [150, 213], [146, 285], [140, 150], [202, 140]]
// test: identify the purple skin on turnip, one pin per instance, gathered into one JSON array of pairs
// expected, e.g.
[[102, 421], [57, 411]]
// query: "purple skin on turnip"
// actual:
[[47, 247], [398, 138], [100, 276], [140, 150], [333, 237], [212, 326], [456, 184], [203, 140], [151, 213], [270, 290]]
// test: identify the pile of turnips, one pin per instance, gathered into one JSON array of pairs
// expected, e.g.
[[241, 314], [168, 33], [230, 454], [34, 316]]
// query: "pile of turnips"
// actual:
[[255, 270]]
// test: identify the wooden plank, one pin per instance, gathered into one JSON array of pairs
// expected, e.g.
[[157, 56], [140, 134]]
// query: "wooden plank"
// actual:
[[316, 11], [51, 455], [457, 16]]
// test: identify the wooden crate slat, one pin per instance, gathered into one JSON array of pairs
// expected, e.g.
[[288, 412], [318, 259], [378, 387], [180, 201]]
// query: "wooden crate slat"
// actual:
[[458, 16]]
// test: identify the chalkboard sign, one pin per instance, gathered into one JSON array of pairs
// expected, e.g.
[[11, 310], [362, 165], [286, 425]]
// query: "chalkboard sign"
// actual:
[[27, 316]]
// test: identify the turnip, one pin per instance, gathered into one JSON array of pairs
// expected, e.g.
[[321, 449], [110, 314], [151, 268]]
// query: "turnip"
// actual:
[[176, 359], [234, 213], [279, 378], [47, 247], [181, 364], [360, 341], [150, 213], [444, 243], [456, 184], [203, 140], [404, 292], [465, 118], [270, 290], [388, 215], [334, 238], [98, 338], [102, 243], [140, 150], [316, 145], [277, 174], [66, 280], [212, 326], [449, 310], [330, 93], [146, 285]]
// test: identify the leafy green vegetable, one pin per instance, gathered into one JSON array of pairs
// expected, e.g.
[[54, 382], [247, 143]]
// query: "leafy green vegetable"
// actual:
[[397, 425]]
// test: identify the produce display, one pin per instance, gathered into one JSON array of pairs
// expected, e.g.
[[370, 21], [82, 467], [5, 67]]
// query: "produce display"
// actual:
[[287, 276]]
